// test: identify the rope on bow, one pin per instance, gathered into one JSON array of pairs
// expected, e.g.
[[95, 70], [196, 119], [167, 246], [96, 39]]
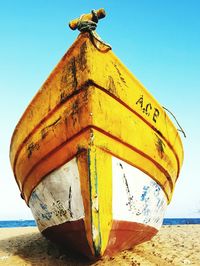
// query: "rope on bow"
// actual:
[[180, 128], [90, 26]]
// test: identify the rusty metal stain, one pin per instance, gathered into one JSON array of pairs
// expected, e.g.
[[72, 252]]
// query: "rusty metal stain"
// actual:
[[160, 145]]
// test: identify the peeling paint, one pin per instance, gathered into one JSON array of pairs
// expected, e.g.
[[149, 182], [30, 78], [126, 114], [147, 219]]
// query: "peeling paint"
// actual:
[[111, 85], [95, 204], [44, 131], [31, 148], [70, 202], [57, 199], [136, 197], [72, 67], [160, 145], [74, 113], [120, 74], [81, 58]]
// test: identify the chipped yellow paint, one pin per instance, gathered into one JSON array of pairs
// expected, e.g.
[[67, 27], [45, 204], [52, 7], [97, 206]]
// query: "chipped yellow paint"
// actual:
[[100, 170], [92, 107]]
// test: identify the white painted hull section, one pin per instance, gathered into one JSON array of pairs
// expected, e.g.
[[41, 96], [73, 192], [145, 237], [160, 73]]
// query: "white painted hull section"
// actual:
[[58, 197], [136, 197]]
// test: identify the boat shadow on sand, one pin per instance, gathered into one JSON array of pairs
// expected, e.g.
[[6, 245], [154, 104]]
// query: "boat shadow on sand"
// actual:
[[34, 249]]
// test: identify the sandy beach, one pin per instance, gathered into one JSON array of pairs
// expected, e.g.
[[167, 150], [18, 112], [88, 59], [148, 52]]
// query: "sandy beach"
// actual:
[[173, 245]]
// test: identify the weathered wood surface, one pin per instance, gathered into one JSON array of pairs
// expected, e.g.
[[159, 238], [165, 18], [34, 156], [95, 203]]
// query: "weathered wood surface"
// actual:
[[92, 109]]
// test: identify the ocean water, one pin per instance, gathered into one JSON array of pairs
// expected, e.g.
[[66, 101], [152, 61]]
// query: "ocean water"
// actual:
[[176, 221], [167, 221], [17, 223]]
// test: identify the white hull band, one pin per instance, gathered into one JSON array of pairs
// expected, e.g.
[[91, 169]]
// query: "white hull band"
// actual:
[[136, 197], [58, 198]]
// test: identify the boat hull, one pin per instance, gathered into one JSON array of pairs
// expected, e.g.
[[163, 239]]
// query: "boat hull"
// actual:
[[95, 156], [62, 205]]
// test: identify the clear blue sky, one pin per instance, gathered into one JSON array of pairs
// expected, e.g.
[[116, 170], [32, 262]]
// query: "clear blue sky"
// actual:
[[157, 40]]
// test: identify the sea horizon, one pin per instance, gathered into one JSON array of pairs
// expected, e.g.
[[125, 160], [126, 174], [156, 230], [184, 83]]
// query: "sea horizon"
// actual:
[[32, 223]]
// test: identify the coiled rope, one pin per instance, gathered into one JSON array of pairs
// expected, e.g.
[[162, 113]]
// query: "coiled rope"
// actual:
[[90, 26]]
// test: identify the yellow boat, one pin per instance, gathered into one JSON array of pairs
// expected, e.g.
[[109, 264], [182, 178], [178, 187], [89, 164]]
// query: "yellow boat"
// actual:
[[95, 156]]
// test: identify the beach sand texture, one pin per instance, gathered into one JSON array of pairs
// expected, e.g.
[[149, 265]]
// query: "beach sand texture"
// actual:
[[173, 245]]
